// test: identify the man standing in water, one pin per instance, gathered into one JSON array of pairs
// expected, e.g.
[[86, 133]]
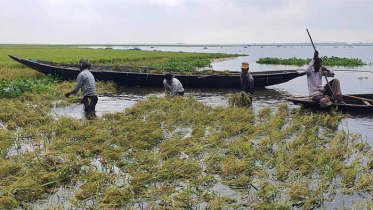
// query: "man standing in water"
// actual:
[[86, 82], [172, 85], [322, 95], [246, 80]]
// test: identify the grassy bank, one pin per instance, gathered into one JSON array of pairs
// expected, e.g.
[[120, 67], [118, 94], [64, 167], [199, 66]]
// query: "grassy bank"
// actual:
[[327, 61]]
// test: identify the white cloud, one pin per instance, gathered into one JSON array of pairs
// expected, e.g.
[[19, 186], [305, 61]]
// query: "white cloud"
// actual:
[[166, 2], [188, 21]]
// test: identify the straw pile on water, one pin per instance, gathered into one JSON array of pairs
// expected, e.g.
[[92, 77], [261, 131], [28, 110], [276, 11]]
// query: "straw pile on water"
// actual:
[[240, 99]]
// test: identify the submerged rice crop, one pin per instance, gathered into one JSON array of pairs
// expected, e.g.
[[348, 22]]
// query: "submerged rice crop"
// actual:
[[175, 153]]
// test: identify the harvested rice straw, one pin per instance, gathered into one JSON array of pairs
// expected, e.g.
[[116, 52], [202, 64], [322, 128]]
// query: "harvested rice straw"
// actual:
[[241, 99]]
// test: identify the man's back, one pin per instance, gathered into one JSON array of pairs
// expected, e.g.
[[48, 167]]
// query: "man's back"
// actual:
[[86, 81], [247, 83]]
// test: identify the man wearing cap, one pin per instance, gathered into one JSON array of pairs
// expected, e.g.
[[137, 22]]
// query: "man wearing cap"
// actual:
[[172, 85], [86, 82], [246, 80]]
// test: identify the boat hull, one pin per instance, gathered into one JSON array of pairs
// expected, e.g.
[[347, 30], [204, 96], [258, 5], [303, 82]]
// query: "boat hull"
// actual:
[[352, 105], [128, 78]]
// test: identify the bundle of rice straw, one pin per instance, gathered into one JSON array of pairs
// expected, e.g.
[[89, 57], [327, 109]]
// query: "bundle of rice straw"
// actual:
[[240, 99]]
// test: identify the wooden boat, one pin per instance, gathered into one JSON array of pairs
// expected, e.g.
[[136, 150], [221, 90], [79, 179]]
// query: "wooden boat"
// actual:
[[352, 104], [126, 75]]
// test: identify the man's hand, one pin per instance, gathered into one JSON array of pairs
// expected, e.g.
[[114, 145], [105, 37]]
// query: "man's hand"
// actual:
[[325, 70], [67, 95]]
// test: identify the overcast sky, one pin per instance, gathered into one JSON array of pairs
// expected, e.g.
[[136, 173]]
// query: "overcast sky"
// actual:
[[184, 21]]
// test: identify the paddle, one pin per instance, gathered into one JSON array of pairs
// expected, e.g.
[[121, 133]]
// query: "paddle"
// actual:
[[363, 99]]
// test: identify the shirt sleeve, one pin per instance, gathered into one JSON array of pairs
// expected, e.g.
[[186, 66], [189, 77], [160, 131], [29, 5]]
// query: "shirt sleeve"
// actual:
[[167, 87], [309, 67], [79, 82]]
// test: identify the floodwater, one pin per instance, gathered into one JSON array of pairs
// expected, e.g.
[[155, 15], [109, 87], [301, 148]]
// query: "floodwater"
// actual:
[[358, 80], [253, 53]]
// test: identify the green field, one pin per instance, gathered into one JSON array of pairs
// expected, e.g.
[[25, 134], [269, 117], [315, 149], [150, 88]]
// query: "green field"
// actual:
[[71, 55], [167, 153]]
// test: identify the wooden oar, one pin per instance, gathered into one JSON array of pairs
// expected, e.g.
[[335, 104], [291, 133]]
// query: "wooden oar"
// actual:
[[363, 99]]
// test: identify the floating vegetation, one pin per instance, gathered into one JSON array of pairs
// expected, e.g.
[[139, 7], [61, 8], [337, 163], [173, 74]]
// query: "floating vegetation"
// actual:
[[181, 72], [14, 88], [241, 99], [362, 78], [184, 64], [327, 61]]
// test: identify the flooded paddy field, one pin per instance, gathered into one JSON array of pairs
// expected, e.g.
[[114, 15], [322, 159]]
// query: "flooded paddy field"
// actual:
[[351, 82], [181, 153], [147, 151]]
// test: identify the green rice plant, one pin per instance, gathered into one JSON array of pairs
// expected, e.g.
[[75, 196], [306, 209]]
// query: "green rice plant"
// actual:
[[267, 192], [364, 183], [220, 202], [299, 193], [71, 54], [348, 175], [115, 197], [94, 183], [8, 202]]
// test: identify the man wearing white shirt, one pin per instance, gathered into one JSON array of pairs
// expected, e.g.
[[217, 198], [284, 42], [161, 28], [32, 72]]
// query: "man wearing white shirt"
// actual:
[[323, 95], [172, 86]]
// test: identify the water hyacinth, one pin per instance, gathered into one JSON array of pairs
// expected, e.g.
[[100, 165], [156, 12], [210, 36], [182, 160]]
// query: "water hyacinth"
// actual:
[[327, 61]]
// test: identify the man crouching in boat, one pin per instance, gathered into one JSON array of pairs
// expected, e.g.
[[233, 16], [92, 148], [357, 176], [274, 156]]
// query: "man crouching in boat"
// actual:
[[86, 81], [246, 80], [322, 95], [172, 86]]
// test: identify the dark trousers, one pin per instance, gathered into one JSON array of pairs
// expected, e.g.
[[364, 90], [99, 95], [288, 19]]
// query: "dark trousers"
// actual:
[[336, 89], [90, 103], [180, 93]]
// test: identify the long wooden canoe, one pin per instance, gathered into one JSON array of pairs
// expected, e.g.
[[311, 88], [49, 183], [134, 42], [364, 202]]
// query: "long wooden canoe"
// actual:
[[127, 76], [352, 104]]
